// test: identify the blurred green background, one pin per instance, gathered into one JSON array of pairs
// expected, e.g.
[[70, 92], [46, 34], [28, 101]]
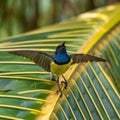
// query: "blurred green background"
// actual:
[[19, 16]]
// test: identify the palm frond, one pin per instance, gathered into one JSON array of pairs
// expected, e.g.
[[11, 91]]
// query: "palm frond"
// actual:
[[93, 90]]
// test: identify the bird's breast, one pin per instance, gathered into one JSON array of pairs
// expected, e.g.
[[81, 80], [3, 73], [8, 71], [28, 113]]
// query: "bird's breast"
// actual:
[[60, 69]]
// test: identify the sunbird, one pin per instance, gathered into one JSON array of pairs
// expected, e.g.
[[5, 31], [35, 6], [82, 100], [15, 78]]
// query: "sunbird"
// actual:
[[58, 63]]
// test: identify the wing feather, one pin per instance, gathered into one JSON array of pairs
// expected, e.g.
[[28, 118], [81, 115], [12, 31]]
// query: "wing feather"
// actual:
[[85, 58], [40, 58]]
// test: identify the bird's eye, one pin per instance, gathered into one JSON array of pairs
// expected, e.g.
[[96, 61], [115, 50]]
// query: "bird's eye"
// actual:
[[59, 46]]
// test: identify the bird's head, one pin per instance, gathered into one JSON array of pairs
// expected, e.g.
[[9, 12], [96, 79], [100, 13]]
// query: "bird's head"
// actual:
[[61, 48]]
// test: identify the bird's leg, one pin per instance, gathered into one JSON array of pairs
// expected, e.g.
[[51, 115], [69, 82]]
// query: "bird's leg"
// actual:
[[52, 77], [65, 82], [59, 89]]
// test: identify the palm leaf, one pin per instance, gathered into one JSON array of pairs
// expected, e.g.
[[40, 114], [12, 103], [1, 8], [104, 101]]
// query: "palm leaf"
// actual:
[[93, 90]]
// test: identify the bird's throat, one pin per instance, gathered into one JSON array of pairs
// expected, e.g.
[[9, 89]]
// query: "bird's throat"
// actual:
[[61, 59]]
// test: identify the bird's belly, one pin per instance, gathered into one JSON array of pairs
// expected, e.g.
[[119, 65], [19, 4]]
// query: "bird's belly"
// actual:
[[60, 69]]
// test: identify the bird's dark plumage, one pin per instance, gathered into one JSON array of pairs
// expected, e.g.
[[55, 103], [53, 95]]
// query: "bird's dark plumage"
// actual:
[[85, 58], [39, 58], [58, 64]]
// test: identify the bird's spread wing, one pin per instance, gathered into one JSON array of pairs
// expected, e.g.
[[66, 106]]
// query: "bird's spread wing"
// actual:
[[40, 58], [85, 58]]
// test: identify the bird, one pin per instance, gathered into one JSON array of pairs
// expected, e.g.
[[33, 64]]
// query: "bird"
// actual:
[[58, 63]]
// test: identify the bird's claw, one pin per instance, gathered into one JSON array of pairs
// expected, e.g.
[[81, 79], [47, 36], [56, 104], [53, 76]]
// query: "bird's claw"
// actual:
[[65, 83], [59, 91], [53, 79]]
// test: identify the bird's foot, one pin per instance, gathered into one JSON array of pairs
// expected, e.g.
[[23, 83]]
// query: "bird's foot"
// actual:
[[53, 79], [65, 83], [59, 91]]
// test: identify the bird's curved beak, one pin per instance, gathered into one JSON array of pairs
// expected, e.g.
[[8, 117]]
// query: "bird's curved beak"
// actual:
[[63, 44]]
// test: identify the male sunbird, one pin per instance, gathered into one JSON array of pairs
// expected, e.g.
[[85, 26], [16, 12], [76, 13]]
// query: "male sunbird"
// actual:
[[58, 63]]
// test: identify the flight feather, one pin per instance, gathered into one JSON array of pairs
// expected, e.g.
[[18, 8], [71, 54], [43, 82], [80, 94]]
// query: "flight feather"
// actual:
[[39, 58], [85, 58]]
